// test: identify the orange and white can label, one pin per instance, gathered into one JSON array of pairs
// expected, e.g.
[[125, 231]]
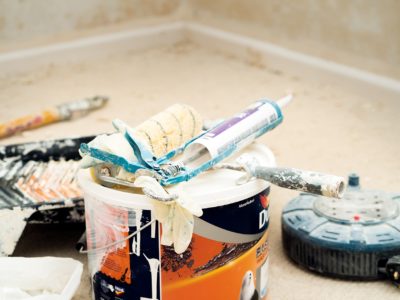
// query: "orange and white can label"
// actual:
[[226, 259]]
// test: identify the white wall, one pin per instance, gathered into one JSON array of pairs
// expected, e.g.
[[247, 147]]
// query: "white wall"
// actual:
[[32, 19]]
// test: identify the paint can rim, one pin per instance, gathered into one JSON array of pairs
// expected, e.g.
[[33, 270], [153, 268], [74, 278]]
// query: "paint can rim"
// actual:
[[221, 188]]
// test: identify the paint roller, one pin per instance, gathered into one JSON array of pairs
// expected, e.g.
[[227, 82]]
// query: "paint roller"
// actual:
[[160, 134], [200, 153], [169, 129], [208, 149]]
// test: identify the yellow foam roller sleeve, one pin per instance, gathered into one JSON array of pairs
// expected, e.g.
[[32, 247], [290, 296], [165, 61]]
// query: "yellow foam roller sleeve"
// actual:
[[169, 129], [161, 133]]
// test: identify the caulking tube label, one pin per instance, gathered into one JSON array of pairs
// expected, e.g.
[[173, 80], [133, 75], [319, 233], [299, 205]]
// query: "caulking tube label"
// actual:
[[240, 130]]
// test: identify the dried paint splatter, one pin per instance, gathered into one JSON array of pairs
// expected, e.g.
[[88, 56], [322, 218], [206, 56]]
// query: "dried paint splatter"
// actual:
[[174, 262], [228, 253], [171, 262]]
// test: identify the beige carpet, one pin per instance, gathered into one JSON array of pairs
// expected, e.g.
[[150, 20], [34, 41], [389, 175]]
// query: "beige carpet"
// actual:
[[325, 129]]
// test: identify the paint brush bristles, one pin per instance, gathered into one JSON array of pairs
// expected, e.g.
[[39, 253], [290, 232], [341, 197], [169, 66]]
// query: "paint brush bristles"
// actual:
[[39, 182]]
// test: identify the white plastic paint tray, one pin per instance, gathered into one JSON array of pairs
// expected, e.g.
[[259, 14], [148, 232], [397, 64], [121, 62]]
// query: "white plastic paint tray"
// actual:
[[44, 278]]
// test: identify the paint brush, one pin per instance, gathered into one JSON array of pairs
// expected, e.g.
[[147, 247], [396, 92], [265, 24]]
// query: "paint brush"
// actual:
[[62, 112], [295, 179]]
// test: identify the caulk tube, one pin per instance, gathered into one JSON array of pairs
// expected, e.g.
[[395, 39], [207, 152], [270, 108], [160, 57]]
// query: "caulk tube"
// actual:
[[236, 132]]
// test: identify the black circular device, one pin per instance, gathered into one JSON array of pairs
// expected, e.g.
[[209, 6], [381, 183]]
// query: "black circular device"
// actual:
[[357, 237]]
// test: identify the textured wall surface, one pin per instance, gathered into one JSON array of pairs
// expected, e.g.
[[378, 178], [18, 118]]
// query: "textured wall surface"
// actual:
[[359, 33], [362, 33], [27, 19]]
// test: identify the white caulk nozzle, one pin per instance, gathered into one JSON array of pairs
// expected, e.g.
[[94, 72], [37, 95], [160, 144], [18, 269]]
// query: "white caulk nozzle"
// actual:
[[284, 101]]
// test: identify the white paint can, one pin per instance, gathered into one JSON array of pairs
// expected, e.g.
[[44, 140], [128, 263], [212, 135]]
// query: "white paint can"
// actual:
[[228, 255]]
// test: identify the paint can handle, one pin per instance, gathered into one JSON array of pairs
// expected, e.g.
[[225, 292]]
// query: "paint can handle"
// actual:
[[83, 251]]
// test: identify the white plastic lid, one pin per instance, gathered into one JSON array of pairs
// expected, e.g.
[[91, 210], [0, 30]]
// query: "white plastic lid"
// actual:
[[209, 189]]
